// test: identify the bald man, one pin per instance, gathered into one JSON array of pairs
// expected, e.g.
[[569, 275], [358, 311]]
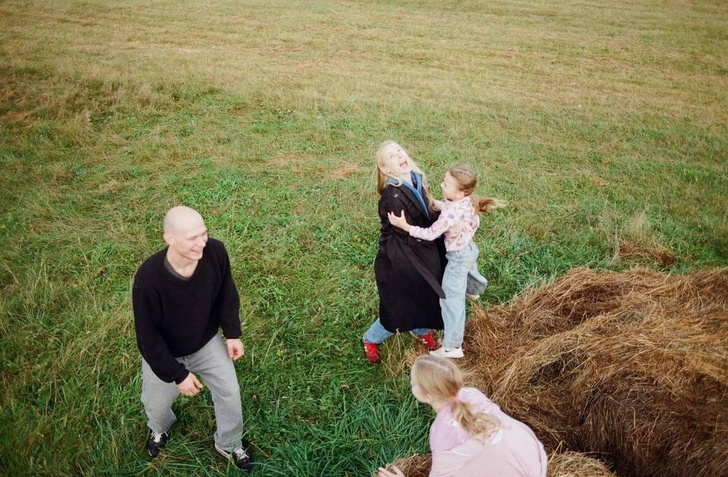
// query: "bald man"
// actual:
[[182, 296]]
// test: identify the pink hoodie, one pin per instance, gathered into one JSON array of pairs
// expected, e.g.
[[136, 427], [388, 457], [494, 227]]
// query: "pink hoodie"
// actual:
[[513, 451]]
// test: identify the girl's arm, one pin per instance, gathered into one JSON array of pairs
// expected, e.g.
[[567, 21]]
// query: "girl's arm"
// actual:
[[441, 225], [389, 204], [398, 221]]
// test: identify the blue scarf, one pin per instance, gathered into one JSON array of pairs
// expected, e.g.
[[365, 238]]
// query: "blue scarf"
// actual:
[[416, 189]]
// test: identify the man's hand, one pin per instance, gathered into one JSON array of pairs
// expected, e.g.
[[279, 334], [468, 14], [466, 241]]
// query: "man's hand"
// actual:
[[235, 348], [398, 221], [191, 386]]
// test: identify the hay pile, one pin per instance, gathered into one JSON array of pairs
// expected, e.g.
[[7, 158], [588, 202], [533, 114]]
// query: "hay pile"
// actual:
[[575, 464], [566, 464], [631, 366], [415, 466]]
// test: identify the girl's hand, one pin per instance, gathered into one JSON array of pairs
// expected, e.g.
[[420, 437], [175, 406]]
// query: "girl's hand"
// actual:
[[398, 221], [457, 227], [385, 473]]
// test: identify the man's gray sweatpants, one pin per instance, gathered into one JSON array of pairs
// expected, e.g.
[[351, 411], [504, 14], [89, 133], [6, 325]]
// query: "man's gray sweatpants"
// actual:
[[215, 369]]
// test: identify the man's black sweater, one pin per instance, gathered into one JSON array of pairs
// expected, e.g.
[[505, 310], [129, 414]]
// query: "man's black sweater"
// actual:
[[175, 317]]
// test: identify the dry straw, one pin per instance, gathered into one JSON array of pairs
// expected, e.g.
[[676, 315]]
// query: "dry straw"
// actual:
[[561, 464], [415, 466], [575, 464]]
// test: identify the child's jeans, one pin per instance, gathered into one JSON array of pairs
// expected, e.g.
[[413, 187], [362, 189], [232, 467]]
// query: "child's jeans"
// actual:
[[461, 277], [377, 333]]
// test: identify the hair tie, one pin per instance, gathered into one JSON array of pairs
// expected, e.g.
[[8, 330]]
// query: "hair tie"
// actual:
[[455, 399]]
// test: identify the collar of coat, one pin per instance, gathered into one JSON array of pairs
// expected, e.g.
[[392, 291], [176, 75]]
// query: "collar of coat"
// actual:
[[409, 192]]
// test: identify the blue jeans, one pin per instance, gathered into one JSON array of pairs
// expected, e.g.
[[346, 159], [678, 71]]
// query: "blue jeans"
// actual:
[[461, 277], [216, 369], [377, 333]]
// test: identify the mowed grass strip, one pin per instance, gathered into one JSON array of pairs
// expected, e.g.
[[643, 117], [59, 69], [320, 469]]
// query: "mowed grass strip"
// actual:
[[603, 126]]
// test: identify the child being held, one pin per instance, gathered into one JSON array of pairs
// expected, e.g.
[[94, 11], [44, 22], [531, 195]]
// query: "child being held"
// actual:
[[458, 220]]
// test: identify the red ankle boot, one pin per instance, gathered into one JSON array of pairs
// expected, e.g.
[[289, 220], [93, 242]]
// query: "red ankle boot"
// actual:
[[371, 352], [429, 341]]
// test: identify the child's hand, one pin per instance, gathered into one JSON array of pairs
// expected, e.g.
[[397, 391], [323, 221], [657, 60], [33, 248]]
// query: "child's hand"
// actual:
[[385, 473], [398, 221], [457, 227]]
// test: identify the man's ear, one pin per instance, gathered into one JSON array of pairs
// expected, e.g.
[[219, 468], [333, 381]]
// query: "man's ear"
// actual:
[[168, 238]]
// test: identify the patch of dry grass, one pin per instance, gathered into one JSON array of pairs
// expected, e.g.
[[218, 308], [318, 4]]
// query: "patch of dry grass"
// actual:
[[463, 55]]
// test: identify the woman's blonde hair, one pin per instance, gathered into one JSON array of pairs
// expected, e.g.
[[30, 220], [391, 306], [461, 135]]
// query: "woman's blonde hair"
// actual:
[[383, 179], [465, 177], [442, 380]]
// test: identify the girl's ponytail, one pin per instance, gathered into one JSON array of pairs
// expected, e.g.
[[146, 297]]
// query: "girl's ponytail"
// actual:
[[479, 425], [487, 205]]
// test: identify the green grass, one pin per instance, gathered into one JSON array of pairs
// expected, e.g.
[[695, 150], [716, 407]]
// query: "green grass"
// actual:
[[601, 125]]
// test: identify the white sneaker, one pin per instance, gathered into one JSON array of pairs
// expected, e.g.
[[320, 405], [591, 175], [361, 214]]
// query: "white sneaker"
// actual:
[[443, 352], [472, 297], [238, 456]]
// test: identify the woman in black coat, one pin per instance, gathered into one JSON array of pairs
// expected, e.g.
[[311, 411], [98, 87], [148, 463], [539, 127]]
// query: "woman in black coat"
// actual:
[[408, 270]]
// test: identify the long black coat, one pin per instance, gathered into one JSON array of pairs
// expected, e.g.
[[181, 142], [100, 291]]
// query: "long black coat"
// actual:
[[408, 270]]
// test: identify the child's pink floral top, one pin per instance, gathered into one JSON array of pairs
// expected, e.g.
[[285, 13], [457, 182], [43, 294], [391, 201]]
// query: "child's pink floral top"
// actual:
[[451, 213]]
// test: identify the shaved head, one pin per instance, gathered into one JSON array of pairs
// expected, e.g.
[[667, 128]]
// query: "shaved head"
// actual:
[[186, 235], [179, 220]]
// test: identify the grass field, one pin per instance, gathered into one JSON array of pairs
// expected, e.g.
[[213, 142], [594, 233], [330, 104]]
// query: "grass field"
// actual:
[[603, 124]]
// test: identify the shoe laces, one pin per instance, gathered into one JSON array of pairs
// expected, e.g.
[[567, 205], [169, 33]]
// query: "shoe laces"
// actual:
[[239, 454], [157, 437]]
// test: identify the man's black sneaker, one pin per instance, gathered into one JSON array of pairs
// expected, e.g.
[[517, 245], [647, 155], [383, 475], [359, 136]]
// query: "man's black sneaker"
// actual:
[[238, 456], [157, 441]]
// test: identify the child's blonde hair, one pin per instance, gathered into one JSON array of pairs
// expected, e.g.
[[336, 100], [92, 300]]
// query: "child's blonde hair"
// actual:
[[465, 177], [383, 179], [442, 380]]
